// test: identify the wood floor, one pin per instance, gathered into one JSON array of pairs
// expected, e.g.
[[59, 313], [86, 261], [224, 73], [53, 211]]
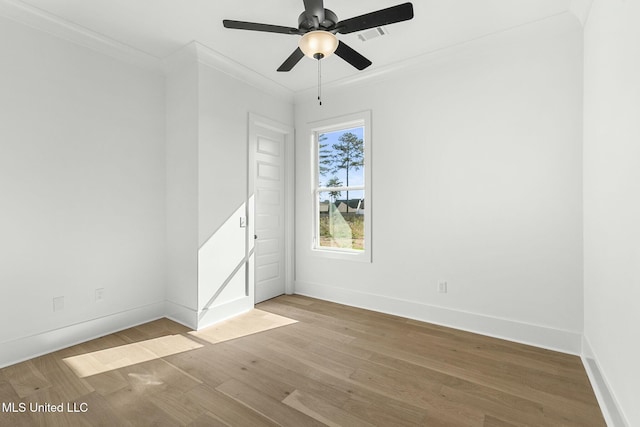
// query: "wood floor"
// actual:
[[306, 362]]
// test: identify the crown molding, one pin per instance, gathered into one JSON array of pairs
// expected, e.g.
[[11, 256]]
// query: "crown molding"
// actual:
[[213, 59], [548, 27], [39, 19], [197, 53], [581, 10], [185, 56]]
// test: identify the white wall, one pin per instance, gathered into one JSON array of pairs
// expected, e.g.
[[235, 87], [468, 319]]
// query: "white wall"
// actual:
[[81, 185], [182, 187], [476, 181], [207, 137], [114, 177], [225, 103], [611, 200]]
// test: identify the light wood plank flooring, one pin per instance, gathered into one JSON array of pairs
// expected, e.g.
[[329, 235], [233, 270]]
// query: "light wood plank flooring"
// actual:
[[298, 361]]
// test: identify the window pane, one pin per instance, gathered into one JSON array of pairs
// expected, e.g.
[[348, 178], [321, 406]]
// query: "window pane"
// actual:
[[341, 158], [341, 219]]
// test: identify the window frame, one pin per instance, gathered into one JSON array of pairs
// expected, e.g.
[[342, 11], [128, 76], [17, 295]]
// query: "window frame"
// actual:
[[361, 119]]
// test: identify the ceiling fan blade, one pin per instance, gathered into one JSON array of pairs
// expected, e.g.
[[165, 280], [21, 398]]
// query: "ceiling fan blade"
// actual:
[[292, 60], [351, 56], [314, 8], [391, 15], [253, 26]]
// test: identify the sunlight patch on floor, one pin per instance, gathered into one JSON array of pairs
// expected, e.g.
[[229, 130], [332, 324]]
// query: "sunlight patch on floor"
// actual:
[[97, 362], [252, 322]]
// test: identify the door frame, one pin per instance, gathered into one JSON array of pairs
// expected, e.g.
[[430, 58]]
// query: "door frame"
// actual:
[[255, 121]]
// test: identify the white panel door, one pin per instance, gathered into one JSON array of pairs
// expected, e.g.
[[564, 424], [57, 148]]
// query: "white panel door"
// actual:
[[268, 155]]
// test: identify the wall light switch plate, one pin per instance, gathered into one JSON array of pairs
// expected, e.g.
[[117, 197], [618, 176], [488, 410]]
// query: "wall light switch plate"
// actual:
[[243, 221], [442, 287], [58, 303]]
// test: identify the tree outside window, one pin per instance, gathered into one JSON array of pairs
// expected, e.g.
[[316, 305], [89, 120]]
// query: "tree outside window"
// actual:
[[341, 159]]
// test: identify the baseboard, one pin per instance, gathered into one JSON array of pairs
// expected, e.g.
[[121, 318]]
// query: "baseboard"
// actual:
[[179, 313], [525, 333], [218, 313], [606, 399], [21, 349]]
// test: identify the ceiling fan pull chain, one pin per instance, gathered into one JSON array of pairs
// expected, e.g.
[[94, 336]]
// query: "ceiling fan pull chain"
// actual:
[[319, 82]]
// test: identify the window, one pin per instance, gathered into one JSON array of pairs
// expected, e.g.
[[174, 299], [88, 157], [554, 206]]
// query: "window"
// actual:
[[342, 199]]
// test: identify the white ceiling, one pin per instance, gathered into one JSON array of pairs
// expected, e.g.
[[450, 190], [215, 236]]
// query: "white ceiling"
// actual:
[[161, 27]]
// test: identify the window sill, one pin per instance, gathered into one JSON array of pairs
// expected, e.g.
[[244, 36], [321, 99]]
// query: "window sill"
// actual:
[[345, 255]]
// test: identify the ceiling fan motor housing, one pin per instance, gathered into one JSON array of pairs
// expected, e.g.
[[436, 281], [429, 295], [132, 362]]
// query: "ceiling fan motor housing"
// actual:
[[305, 23]]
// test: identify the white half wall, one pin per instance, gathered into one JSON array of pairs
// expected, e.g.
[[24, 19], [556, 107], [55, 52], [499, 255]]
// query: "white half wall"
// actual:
[[612, 204], [477, 181], [82, 189]]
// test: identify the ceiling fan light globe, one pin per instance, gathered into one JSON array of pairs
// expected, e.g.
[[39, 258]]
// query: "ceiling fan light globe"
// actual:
[[318, 42]]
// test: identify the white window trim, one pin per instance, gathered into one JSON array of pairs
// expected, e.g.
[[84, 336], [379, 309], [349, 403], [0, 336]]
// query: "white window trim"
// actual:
[[329, 125]]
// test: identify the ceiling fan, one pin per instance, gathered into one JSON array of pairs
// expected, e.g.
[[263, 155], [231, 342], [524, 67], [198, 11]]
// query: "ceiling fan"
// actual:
[[318, 27]]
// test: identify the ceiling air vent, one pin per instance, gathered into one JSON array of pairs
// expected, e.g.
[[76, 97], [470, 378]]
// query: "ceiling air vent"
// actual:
[[372, 34]]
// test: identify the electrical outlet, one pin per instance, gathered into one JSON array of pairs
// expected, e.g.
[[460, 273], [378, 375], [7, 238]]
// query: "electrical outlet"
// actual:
[[58, 303], [442, 287], [99, 294]]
